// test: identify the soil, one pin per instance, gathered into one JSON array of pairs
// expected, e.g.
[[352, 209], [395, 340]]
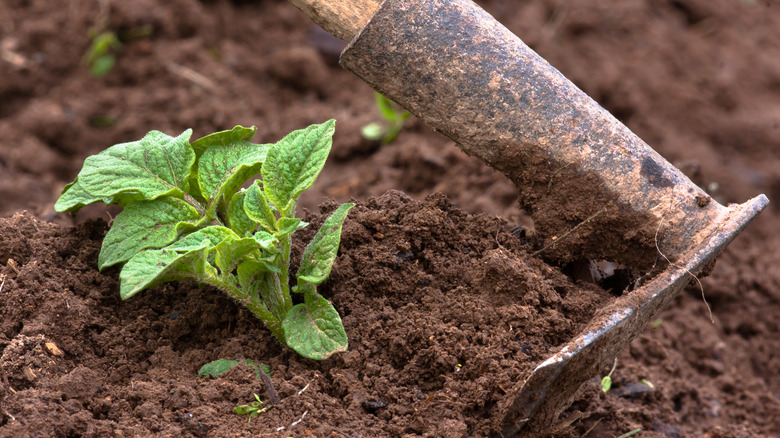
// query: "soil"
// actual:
[[434, 281]]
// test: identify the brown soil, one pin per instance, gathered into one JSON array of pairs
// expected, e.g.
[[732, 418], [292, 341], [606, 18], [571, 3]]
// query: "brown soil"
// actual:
[[436, 293], [444, 315]]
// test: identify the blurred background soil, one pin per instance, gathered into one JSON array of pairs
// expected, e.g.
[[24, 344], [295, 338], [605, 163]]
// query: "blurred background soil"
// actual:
[[699, 80]]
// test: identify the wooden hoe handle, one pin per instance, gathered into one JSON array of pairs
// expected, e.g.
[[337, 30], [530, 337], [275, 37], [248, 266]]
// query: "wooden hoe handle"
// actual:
[[341, 18]]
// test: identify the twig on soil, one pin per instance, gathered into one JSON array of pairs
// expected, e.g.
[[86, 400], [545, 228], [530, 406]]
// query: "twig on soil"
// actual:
[[269, 387], [304, 388], [12, 264], [294, 423], [614, 366], [298, 421], [591, 428], [8, 54], [593, 216], [7, 414], [191, 75]]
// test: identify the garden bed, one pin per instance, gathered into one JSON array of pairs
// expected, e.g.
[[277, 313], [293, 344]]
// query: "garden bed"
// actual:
[[446, 316], [437, 293]]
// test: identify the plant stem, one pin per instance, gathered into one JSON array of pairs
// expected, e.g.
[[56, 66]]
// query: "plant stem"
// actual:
[[285, 244], [271, 290]]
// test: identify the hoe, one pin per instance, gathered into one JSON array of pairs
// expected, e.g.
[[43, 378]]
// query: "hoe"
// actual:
[[579, 171]]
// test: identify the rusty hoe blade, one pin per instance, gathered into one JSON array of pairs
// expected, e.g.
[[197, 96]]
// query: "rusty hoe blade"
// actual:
[[455, 67]]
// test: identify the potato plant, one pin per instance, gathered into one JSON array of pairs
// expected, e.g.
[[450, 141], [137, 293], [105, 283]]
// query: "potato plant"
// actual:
[[187, 217]]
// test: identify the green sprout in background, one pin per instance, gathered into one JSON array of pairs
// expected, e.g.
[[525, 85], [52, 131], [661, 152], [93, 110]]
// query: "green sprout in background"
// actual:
[[101, 56], [102, 53], [394, 117]]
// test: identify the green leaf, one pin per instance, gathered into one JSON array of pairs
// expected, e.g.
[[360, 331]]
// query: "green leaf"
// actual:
[[102, 65], [74, 197], [606, 383], [293, 163], [173, 191], [244, 410], [314, 329], [155, 266], [221, 366], [288, 225], [265, 368], [252, 410], [256, 208], [199, 146], [217, 367], [250, 273], [146, 224], [321, 252], [262, 278], [237, 217], [209, 236], [385, 107], [229, 252], [157, 165], [228, 161], [266, 240], [221, 138]]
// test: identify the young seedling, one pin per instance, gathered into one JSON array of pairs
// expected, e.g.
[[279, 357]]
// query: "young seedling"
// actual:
[[606, 382], [394, 117], [100, 58], [186, 217], [252, 409]]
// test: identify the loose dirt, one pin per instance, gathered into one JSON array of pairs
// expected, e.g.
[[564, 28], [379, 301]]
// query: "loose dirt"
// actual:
[[436, 292], [445, 313]]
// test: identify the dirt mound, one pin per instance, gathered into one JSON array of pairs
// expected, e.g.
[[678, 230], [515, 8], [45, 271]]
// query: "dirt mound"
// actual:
[[445, 314]]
